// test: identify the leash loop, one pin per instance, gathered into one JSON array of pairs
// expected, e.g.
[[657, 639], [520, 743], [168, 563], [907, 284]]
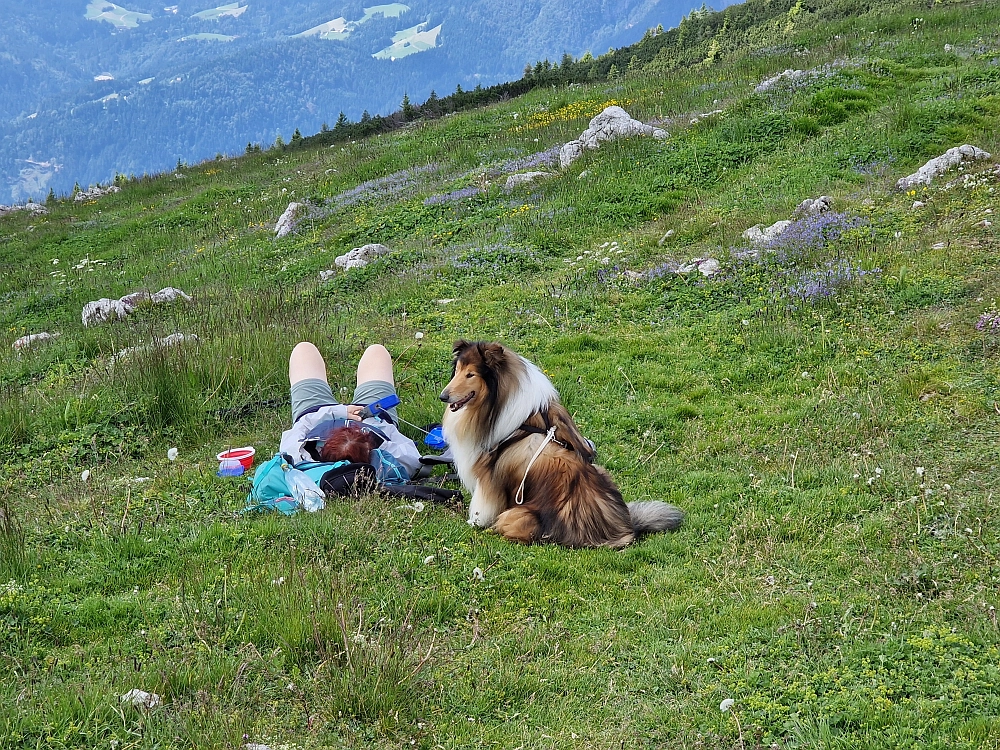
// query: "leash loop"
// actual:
[[550, 435]]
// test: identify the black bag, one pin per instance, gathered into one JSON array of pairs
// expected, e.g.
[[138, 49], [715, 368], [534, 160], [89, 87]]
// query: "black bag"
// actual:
[[350, 479], [429, 492], [353, 479]]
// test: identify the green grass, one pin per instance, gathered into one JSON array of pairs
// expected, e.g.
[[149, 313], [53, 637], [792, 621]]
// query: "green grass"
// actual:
[[841, 598]]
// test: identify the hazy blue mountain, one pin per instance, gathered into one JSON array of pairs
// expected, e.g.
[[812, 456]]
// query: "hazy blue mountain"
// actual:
[[90, 88]]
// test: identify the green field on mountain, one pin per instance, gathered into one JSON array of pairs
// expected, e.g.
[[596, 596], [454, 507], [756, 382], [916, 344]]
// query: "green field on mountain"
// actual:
[[824, 405]]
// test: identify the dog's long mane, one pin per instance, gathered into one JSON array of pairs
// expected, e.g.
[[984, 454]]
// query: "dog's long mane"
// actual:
[[515, 389]]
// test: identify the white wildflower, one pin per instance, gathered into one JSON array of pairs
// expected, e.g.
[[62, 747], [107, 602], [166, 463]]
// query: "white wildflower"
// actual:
[[727, 704], [85, 476], [920, 471], [418, 507], [429, 559], [418, 335], [172, 454], [477, 574]]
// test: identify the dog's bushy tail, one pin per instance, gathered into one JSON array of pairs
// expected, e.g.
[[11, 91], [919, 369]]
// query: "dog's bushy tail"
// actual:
[[653, 515]]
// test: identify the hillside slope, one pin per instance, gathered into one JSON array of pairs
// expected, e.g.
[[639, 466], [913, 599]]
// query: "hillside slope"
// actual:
[[824, 408]]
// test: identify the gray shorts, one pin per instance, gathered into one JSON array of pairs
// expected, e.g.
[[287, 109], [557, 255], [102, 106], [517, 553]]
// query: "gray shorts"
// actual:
[[312, 392]]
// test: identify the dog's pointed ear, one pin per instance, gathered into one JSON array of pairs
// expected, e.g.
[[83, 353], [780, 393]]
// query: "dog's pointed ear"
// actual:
[[460, 346], [494, 355]]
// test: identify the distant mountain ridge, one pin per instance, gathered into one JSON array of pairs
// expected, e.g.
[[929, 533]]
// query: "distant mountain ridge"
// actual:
[[94, 88]]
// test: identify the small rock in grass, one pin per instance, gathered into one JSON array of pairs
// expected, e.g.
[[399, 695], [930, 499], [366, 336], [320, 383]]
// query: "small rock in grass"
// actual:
[[26, 342], [142, 699], [288, 220], [524, 178], [985, 224], [95, 192], [667, 235], [918, 204], [789, 75], [941, 164], [813, 206], [324, 275], [760, 235], [584, 174], [360, 257], [939, 246], [174, 339], [102, 310], [31, 208], [705, 266]]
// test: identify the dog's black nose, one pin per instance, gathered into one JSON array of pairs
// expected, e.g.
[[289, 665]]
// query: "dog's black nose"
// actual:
[[445, 395]]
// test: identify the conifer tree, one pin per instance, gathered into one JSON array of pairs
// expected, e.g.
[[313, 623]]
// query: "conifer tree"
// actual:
[[407, 109]]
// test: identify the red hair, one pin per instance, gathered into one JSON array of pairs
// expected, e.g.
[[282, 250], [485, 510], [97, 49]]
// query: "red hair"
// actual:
[[348, 443]]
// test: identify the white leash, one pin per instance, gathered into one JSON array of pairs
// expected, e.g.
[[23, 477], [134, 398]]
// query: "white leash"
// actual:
[[549, 437]]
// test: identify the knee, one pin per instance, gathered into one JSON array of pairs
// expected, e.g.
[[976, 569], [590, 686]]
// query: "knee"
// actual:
[[305, 349], [376, 350]]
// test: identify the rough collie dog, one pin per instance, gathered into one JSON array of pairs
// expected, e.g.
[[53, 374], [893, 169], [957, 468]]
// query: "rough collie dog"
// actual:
[[531, 473]]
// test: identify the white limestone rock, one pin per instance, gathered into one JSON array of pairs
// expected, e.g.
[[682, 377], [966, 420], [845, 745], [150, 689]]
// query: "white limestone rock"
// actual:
[[326, 275], [941, 164], [759, 235], [785, 76], [813, 206], [32, 339], [174, 339], [570, 152], [35, 209], [103, 310], [705, 266], [611, 124], [524, 178], [95, 192], [360, 257], [288, 220]]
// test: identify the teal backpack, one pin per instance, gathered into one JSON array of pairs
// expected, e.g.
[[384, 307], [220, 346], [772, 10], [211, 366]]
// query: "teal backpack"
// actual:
[[271, 491]]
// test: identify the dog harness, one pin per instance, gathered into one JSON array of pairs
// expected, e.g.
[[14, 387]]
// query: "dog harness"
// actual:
[[550, 436], [520, 434]]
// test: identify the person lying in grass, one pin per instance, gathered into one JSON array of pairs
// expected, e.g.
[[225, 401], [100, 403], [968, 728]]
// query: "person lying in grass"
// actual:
[[314, 405]]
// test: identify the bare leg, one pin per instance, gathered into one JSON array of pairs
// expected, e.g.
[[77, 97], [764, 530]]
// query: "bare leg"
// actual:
[[306, 362], [375, 364]]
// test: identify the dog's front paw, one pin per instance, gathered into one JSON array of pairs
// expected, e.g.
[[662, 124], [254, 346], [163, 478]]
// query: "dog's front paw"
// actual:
[[478, 520]]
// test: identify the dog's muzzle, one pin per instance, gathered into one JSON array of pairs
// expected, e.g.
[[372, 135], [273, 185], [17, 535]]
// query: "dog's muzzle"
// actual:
[[455, 406]]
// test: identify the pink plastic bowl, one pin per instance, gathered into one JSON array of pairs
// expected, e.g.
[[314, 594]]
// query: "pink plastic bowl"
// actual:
[[243, 455]]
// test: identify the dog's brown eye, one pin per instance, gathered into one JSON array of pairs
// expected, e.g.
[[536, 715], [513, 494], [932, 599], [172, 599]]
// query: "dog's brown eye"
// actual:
[[470, 375]]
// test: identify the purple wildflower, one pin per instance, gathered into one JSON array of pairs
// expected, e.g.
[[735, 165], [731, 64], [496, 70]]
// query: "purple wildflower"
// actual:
[[382, 188], [826, 280], [547, 158], [812, 233], [664, 269], [453, 196], [989, 321]]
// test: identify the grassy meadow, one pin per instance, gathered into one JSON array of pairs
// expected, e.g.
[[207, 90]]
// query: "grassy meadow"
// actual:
[[827, 413]]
